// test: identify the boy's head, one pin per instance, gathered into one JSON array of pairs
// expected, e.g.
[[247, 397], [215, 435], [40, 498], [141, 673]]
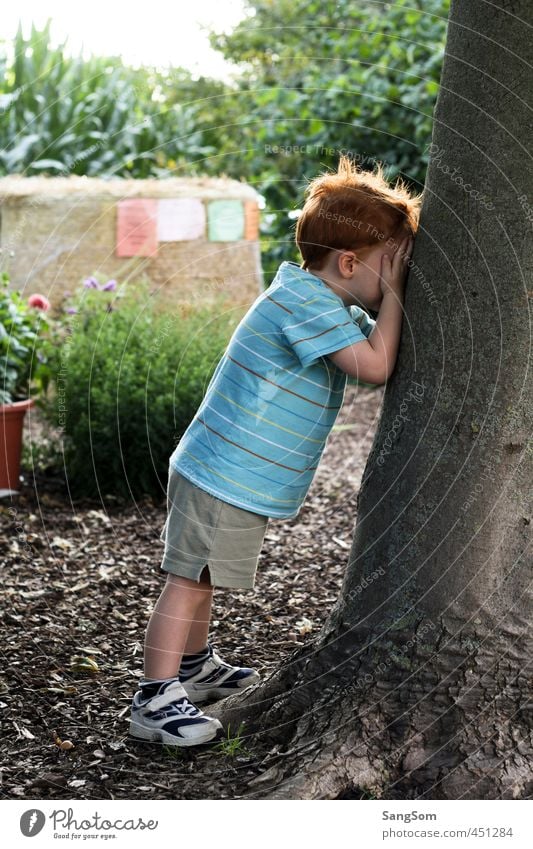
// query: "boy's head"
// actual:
[[358, 211]]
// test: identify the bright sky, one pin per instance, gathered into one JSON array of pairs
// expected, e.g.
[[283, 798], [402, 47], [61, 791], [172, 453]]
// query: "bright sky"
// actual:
[[156, 32]]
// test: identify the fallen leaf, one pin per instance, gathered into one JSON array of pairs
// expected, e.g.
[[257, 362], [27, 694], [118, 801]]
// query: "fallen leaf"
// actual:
[[62, 543], [304, 625], [65, 691], [341, 542], [81, 663], [99, 515], [27, 734], [23, 732], [65, 745]]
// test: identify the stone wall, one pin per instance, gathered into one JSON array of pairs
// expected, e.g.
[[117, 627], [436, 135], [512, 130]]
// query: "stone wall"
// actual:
[[57, 231]]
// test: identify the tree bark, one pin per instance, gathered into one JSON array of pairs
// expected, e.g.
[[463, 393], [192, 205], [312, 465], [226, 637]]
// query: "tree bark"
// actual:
[[419, 684]]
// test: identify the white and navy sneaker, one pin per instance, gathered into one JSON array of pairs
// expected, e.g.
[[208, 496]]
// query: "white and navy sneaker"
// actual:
[[161, 712], [217, 679]]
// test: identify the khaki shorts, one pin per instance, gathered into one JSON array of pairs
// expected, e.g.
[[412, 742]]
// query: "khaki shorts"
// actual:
[[201, 530]]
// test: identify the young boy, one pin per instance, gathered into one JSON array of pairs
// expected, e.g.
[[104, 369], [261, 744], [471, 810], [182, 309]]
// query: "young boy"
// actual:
[[253, 446]]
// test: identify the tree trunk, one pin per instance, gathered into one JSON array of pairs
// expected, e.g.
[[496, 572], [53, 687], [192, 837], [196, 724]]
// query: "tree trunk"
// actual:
[[418, 685]]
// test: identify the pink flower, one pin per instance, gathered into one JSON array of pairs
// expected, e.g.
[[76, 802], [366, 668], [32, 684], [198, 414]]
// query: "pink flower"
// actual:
[[110, 286], [40, 302]]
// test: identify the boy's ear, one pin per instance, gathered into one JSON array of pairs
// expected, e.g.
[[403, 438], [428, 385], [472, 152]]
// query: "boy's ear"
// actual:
[[347, 263]]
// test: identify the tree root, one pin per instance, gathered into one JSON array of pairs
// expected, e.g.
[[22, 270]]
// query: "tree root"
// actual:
[[456, 727]]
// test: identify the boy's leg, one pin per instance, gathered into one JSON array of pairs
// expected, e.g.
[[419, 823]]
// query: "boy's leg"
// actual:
[[160, 710], [199, 630], [181, 603]]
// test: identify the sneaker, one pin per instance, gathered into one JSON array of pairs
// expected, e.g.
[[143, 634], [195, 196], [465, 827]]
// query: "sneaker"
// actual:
[[217, 679], [168, 717]]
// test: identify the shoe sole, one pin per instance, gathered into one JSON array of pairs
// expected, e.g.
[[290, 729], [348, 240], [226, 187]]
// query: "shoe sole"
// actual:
[[159, 735], [197, 696]]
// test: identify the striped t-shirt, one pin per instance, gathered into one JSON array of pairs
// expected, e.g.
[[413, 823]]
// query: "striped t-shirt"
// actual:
[[258, 435]]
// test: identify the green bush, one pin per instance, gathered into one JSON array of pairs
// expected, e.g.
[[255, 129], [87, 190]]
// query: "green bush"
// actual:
[[128, 379]]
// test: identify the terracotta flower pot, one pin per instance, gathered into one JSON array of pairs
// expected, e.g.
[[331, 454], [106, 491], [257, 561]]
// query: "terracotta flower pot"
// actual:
[[11, 424]]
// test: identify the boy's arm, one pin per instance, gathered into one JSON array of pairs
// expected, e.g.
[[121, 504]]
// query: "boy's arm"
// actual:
[[373, 360]]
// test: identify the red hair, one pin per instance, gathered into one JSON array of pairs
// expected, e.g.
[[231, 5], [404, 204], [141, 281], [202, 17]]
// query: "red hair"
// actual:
[[353, 210]]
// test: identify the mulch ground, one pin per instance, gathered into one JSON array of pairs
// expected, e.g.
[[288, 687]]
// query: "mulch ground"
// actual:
[[79, 581]]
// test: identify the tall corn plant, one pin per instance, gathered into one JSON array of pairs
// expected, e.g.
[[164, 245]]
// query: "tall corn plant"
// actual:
[[61, 115]]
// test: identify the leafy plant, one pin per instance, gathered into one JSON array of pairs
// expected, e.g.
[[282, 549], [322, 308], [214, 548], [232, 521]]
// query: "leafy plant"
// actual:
[[43, 455], [174, 752], [23, 327], [232, 746], [61, 115], [128, 379]]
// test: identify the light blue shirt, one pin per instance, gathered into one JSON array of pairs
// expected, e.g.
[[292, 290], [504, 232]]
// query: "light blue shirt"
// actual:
[[258, 435]]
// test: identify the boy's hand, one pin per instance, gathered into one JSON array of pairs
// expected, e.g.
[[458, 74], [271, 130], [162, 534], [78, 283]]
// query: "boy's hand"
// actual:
[[394, 273]]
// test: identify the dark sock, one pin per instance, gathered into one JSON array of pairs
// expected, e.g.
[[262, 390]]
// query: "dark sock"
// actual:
[[192, 663], [150, 686]]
